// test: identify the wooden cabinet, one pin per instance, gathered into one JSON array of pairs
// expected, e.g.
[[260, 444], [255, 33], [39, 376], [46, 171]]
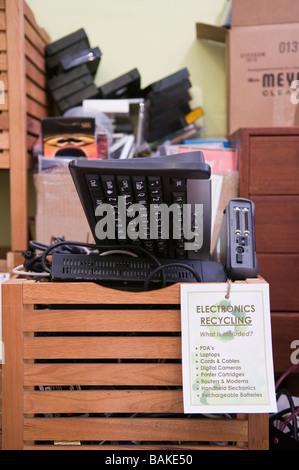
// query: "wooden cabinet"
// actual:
[[22, 105], [269, 176]]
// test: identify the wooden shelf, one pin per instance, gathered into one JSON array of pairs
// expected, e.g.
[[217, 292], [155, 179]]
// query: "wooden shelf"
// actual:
[[23, 77]]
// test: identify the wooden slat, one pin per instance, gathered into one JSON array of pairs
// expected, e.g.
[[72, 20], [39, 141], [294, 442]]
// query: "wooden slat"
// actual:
[[4, 140], [35, 74], [35, 56], [90, 293], [17, 117], [13, 367], [3, 61], [260, 439], [35, 109], [29, 16], [34, 37], [141, 429], [3, 41], [36, 93], [111, 374], [108, 401], [102, 320], [4, 121], [33, 126], [102, 347], [2, 20], [31, 140]]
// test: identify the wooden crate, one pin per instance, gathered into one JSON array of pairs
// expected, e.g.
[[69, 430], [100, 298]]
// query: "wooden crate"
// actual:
[[122, 353], [23, 103]]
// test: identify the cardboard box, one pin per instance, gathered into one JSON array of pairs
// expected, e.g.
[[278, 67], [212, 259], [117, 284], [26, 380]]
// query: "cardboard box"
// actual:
[[59, 212], [261, 12], [262, 66], [262, 63]]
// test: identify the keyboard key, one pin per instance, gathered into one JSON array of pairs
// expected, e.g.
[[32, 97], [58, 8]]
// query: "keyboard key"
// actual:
[[154, 182], [179, 183], [93, 182], [124, 184], [98, 198], [179, 197], [109, 185], [139, 183]]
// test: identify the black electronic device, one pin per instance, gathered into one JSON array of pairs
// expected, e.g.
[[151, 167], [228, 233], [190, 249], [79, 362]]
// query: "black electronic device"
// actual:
[[76, 99], [169, 116], [171, 81], [89, 57], [68, 45], [62, 44], [180, 99], [120, 270], [125, 86], [170, 195], [167, 104], [71, 87], [235, 247], [62, 80], [160, 132], [168, 94], [128, 268]]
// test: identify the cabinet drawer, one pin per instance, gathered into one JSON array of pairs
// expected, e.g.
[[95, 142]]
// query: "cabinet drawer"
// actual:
[[281, 271], [277, 224], [274, 165]]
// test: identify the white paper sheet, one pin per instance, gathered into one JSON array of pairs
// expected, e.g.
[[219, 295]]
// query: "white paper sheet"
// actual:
[[227, 349]]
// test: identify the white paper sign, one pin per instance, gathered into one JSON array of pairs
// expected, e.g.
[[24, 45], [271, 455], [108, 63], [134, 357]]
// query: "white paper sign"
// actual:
[[227, 348]]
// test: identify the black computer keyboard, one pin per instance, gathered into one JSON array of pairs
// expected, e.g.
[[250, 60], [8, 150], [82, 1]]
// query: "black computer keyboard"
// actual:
[[183, 180]]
